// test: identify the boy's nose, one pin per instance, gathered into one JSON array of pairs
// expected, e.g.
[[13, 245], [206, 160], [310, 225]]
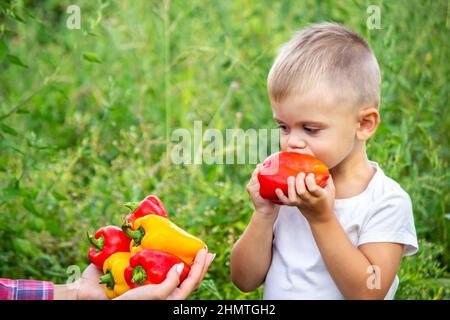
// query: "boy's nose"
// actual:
[[296, 144]]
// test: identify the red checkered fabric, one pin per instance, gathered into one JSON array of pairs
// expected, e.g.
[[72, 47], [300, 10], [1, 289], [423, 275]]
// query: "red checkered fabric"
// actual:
[[25, 289]]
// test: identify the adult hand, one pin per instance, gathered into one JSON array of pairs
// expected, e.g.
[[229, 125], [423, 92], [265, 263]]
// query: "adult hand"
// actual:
[[169, 289], [89, 287]]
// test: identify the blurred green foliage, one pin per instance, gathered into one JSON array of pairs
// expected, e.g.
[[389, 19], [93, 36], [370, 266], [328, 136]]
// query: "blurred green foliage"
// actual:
[[86, 117]]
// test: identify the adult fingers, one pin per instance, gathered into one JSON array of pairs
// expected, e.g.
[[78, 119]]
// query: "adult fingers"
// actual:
[[194, 277], [156, 292], [209, 259]]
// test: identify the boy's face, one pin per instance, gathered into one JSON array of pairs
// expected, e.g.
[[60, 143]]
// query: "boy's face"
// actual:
[[316, 124]]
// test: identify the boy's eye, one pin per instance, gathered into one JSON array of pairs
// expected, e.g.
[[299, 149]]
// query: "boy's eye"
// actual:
[[282, 127], [311, 130]]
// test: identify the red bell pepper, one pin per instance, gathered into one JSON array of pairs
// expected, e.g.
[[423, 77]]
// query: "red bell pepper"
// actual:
[[278, 167], [107, 241], [151, 267], [150, 205]]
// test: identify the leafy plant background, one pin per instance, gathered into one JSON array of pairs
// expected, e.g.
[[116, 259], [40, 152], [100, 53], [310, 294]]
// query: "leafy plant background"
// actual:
[[86, 117]]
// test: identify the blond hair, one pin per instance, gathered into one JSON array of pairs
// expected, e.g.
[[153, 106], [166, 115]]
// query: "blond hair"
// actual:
[[328, 54]]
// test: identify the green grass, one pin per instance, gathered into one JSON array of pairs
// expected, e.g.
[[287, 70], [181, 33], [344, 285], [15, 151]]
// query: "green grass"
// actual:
[[85, 122]]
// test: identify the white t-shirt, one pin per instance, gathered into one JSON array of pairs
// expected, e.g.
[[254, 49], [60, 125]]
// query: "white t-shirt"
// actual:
[[381, 213]]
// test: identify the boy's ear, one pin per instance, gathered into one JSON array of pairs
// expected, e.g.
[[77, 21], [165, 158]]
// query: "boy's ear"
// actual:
[[368, 121]]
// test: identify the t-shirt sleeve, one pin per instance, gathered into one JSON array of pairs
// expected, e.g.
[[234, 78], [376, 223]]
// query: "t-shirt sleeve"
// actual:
[[391, 220]]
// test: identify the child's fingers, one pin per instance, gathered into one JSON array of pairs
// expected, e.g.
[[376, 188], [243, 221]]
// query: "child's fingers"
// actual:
[[281, 196], [300, 186], [253, 187], [255, 173], [313, 188], [253, 184], [330, 184], [292, 193]]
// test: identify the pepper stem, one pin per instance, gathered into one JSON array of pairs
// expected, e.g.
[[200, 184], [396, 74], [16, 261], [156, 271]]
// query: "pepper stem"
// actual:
[[108, 279], [136, 235], [139, 276], [132, 205], [97, 243]]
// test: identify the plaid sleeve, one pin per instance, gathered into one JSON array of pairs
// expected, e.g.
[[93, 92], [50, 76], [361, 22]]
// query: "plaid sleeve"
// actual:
[[25, 289]]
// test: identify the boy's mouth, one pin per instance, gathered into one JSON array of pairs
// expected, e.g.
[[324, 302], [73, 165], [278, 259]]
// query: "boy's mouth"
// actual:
[[300, 151]]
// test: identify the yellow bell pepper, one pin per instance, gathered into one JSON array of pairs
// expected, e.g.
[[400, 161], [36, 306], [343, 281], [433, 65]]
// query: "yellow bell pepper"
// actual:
[[161, 234], [114, 278]]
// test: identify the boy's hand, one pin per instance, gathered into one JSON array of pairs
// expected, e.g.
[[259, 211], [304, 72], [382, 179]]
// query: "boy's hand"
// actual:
[[263, 206], [315, 203]]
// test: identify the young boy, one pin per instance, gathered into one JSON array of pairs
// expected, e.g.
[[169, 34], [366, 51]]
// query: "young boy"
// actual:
[[346, 240]]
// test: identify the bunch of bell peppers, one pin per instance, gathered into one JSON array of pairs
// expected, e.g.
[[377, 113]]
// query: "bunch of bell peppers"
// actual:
[[143, 251]]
